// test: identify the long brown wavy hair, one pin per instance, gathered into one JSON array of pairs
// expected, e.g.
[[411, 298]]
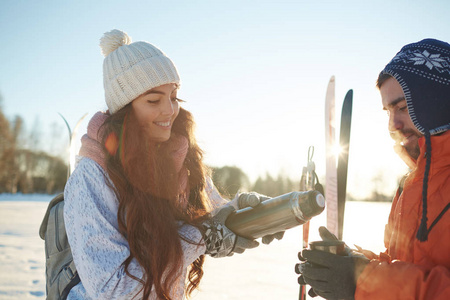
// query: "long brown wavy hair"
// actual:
[[146, 183]]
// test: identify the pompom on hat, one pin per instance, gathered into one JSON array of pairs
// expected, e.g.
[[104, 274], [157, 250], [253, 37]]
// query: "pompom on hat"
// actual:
[[131, 69], [423, 71]]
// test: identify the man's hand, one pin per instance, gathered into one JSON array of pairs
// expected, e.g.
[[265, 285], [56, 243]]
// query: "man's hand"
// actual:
[[331, 276]]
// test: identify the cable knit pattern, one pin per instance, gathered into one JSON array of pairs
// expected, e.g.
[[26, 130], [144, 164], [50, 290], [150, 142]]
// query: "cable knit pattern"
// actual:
[[131, 69], [98, 248]]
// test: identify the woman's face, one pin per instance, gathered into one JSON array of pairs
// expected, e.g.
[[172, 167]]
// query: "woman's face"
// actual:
[[156, 110]]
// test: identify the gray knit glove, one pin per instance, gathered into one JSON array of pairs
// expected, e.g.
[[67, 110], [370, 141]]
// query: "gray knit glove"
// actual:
[[251, 199], [221, 241]]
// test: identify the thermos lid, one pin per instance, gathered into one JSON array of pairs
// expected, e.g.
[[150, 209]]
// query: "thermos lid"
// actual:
[[314, 204], [320, 200]]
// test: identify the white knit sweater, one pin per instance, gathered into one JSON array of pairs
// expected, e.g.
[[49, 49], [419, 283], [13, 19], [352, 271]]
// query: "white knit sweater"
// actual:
[[98, 248]]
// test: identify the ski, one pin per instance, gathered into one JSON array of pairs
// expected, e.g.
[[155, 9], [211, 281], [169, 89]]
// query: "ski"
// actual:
[[330, 156], [72, 137], [342, 167]]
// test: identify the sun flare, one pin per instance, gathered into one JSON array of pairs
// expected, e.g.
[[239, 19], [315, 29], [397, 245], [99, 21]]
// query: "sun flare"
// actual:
[[337, 149]]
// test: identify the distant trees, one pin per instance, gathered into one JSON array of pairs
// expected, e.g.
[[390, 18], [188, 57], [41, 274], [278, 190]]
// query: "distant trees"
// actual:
[[230, 180], [39, 172], [272, 187], [23, 166], [6, 150], [378, 181]]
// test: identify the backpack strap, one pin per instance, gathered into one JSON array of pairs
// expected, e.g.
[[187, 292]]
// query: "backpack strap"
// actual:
[[72, 273], [52, 203]]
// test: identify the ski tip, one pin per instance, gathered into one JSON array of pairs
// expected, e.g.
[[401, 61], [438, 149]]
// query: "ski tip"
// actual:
[[349, 94], [332, 78], [61, 115]]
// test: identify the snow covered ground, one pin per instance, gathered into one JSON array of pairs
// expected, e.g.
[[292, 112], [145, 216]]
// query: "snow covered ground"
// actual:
[[266, 272]]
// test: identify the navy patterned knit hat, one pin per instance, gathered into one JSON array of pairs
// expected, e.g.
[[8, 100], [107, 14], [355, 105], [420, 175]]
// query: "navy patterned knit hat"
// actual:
[[423, 71]]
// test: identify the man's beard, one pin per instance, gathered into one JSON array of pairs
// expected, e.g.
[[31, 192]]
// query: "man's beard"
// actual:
[[413, 151], [398, 136]]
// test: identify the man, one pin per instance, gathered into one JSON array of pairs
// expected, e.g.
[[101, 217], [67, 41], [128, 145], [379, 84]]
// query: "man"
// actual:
[[415, 92]]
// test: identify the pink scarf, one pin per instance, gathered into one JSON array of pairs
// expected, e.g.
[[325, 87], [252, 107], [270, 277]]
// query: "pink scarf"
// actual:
[[90, 145], [91, 148]]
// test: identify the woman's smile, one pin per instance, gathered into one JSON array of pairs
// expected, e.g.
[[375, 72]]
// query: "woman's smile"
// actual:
[[166, 125], [156, 111]]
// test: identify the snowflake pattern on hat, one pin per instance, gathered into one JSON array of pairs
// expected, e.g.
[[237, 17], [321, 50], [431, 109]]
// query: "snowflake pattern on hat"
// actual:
[[423, 71], [418, 57]]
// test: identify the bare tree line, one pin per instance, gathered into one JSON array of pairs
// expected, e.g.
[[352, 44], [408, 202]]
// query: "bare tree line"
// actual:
[[230, 179], [24, 167]]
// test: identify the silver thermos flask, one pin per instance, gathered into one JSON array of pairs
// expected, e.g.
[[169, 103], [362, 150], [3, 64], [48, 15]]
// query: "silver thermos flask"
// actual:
[[276, 214]]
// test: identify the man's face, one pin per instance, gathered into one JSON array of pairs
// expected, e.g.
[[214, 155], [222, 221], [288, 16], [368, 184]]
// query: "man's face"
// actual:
[[401, 128]]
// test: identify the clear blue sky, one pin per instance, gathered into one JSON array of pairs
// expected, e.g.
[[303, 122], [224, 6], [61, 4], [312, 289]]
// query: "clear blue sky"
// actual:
[[254, 73]]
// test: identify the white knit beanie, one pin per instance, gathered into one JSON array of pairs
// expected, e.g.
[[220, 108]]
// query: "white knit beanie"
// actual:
[[131, 69]]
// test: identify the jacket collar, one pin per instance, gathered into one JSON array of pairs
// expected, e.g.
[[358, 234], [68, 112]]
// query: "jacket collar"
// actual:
[[440, 150]]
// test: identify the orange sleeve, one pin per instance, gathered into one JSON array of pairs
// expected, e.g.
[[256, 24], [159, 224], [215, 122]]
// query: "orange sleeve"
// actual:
[[400, 280], [388, 227]]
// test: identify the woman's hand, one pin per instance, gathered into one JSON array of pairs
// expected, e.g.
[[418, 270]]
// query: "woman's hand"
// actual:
[[219, 240]]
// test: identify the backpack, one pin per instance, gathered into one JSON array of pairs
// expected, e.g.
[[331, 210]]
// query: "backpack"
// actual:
[[60, 272]]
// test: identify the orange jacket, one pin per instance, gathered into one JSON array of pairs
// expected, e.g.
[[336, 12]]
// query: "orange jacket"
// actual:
[[410, 269]]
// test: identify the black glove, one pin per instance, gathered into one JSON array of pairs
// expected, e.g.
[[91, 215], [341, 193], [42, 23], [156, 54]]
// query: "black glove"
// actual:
[[301, 279], [331, 276]]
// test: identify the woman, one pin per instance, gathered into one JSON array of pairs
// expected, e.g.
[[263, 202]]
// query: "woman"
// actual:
[[138, 205]]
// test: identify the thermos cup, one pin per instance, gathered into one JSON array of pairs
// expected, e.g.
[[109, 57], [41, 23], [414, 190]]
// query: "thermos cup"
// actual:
[[276, 214], [334, 247]]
